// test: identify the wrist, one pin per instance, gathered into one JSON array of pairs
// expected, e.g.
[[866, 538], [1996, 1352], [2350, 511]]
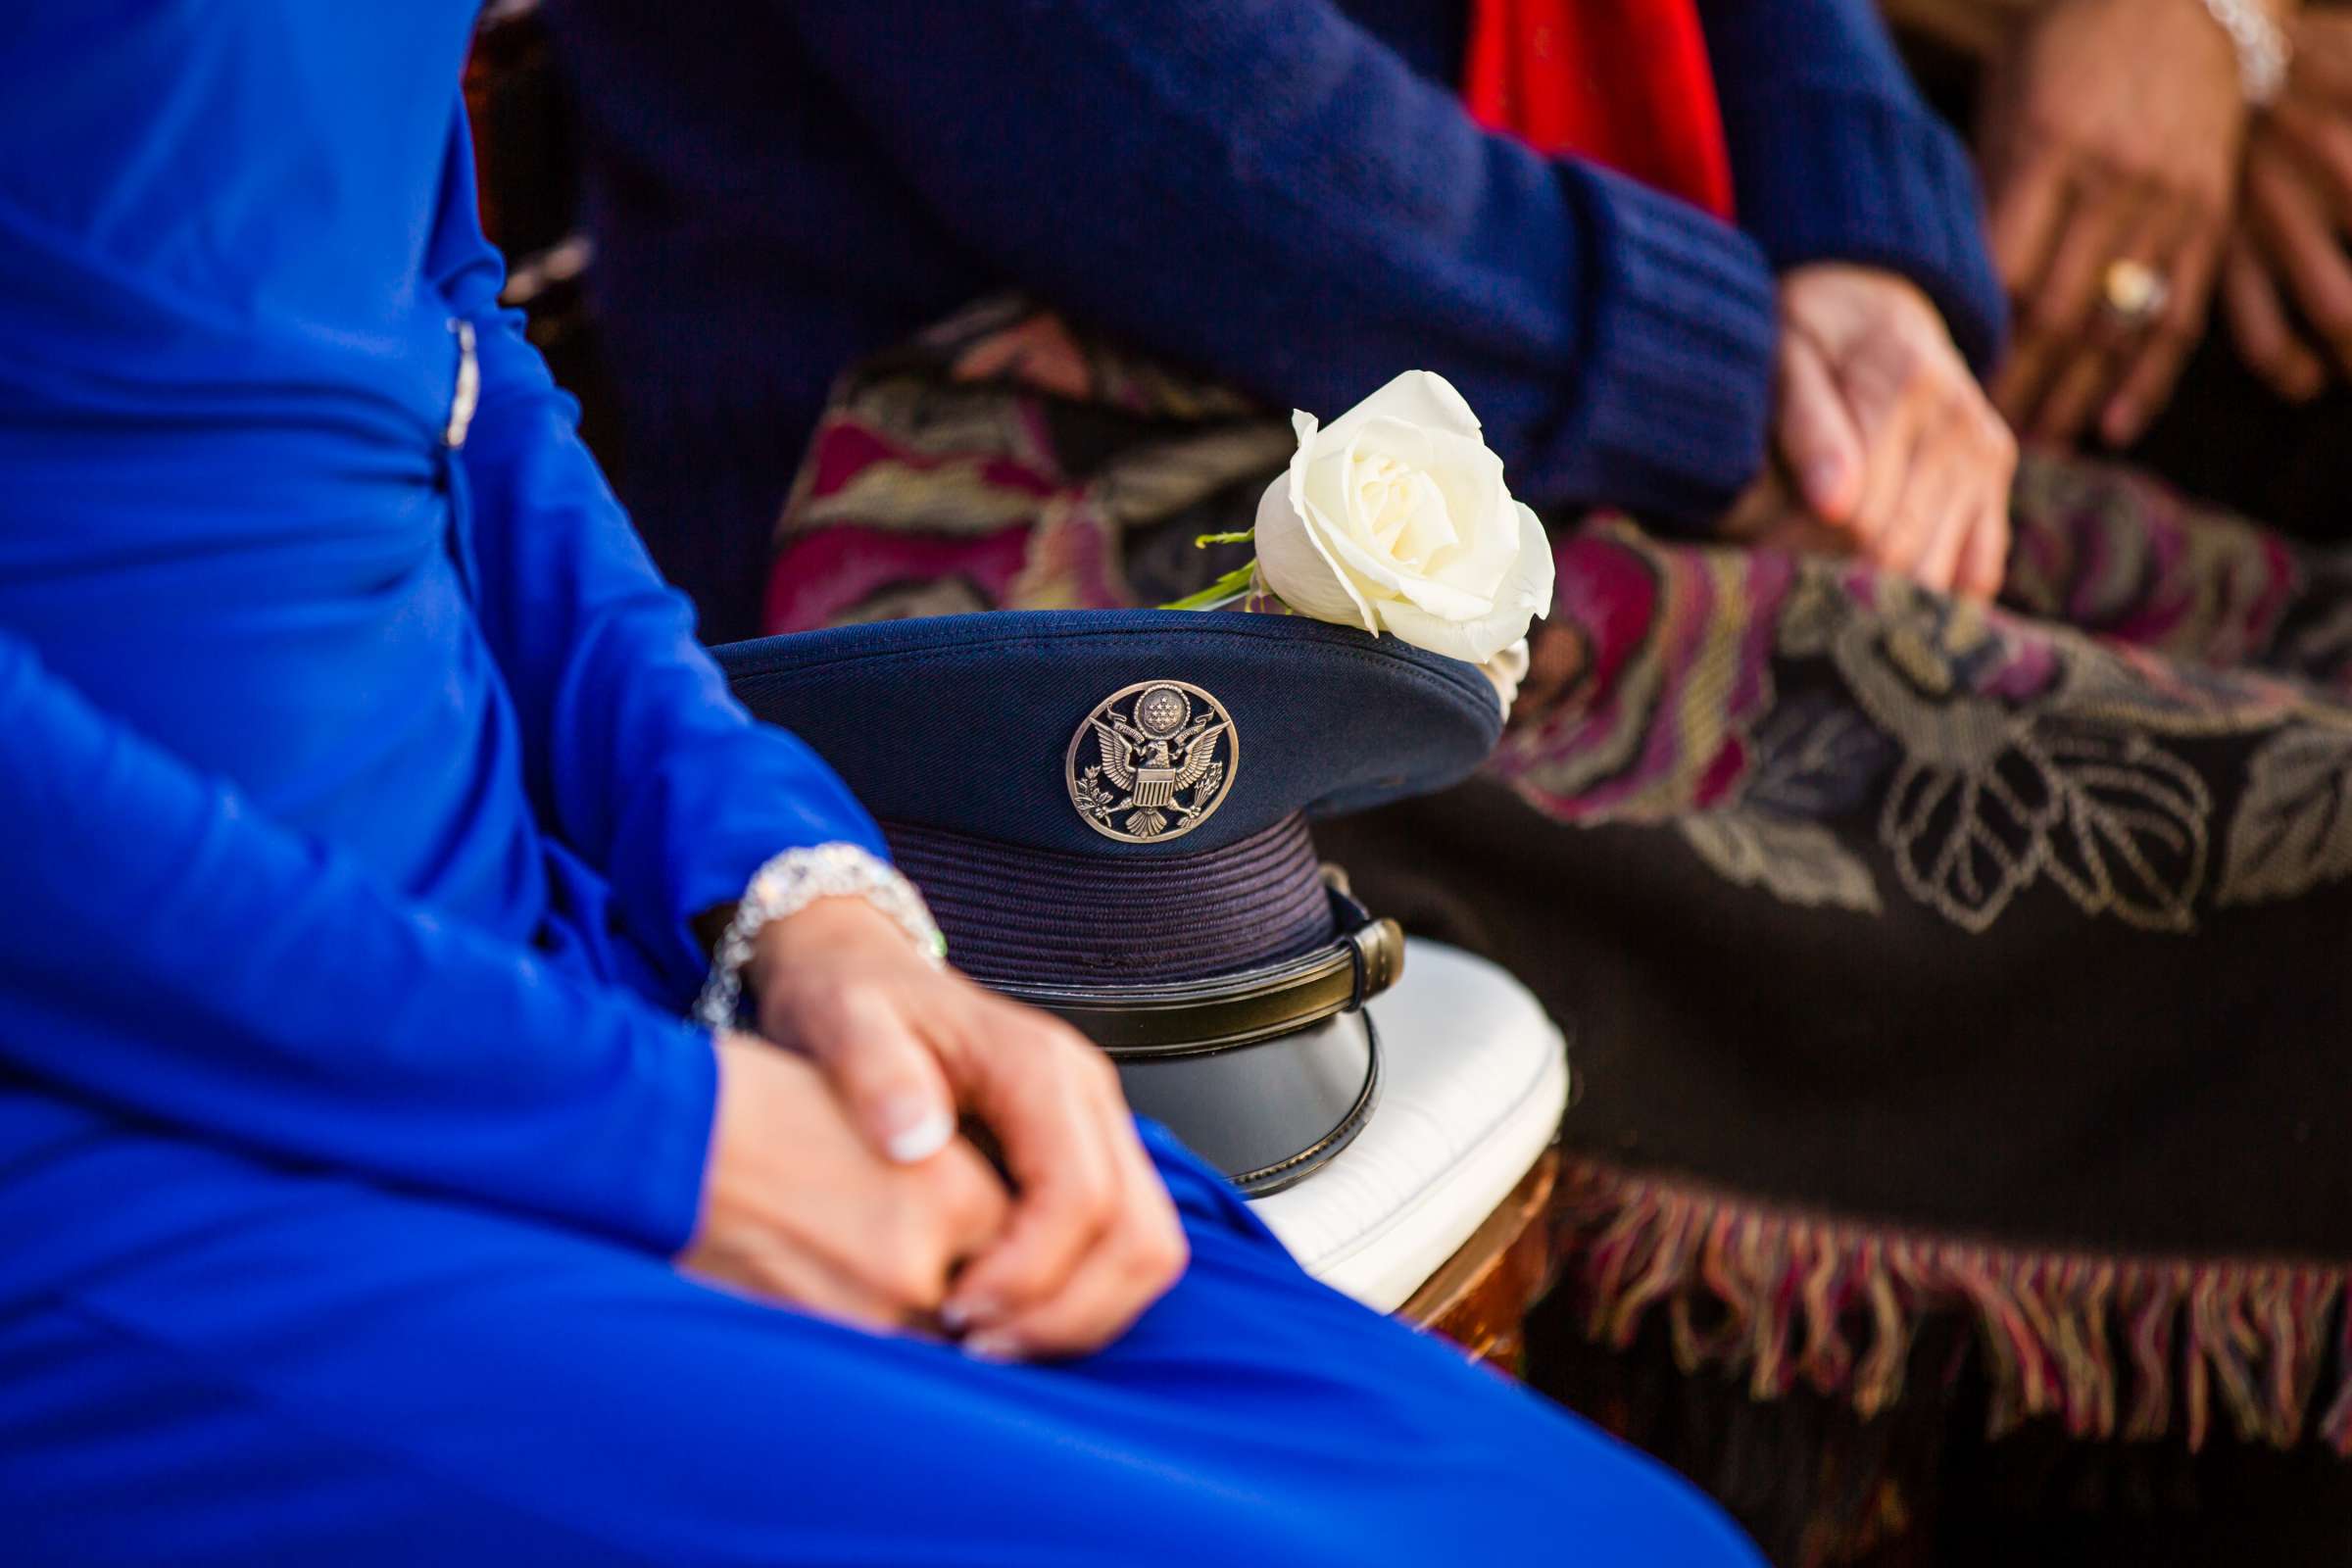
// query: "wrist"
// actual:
[[816, 938], [1837, 305], [2260, 38], [791, 884], [1832, 271]]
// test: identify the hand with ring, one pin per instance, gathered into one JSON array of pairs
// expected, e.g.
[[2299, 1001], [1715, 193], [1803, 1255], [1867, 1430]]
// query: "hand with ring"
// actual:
[[2112, 137], [2286, 285], [2135, 295]]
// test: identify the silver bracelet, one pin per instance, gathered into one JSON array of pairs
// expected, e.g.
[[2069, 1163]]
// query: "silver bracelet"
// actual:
[[789, 884], [2263, 47]]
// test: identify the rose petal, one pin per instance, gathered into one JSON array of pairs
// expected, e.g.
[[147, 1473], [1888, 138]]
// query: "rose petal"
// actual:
[[1527, 594], [1360, 557], [1384, 580], [1325, 494], [1490, 541], [1414, 458], [1420, 397], [1326, 486], [1531, 580], [1473, 642], [1439, 598], [1291, 557], [1338, 472], [1428, 534], [1506, 670], [1478, 504], [1470, 475]]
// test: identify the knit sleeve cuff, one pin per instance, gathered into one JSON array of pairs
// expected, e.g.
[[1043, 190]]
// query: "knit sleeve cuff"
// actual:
[[1854, 177], [1674, 388]]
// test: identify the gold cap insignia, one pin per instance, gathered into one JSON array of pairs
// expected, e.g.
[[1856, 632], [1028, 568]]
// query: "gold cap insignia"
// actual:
[[1153, 760]]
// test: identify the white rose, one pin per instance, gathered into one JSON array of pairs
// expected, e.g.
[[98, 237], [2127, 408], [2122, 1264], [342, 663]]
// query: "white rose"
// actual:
[[1396, 518]]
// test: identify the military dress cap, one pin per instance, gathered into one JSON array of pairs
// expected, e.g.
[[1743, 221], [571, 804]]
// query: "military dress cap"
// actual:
[[1107, 811]]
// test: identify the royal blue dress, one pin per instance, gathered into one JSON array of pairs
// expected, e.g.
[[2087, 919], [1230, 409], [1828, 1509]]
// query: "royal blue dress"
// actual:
[[358, 779]]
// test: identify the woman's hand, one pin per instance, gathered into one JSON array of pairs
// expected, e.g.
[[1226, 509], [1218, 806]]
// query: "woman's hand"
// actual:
[[2290, 243], [1091, 1239], [1891, 450], [798, 1208], [2112, 134]]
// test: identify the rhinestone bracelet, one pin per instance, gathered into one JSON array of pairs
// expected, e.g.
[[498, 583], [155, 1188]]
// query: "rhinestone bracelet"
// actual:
[[789, 884], [2263, 48]]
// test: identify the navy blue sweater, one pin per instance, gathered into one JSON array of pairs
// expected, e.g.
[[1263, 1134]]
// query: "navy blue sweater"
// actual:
[[1285, 192]]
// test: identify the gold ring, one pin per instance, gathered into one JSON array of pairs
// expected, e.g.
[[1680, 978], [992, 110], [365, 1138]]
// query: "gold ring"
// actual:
[[2136, 293]]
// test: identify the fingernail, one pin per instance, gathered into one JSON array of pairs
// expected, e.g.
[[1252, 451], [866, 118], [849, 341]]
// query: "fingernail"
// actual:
[[992, 1348], [923, 1131], [1822, 475], [960, 1315]]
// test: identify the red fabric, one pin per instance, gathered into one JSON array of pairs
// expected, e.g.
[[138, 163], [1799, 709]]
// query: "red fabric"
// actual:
[[1623, 82]]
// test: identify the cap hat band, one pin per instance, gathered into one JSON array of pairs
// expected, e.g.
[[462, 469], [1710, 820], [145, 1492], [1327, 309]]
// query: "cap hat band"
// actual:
[[1025, 916]]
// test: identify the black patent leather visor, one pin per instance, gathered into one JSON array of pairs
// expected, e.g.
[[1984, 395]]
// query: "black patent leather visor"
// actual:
[[1265, 1074], [1270, 1115]]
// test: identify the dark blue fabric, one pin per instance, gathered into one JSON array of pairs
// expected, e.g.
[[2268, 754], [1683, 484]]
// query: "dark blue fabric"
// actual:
[[359, 793], [1039, 916], [963, 722], [1835, 156], [326, 1373], [1285, 193]]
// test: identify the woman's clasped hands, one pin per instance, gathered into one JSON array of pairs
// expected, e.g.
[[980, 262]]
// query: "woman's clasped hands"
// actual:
[[838, 1180]]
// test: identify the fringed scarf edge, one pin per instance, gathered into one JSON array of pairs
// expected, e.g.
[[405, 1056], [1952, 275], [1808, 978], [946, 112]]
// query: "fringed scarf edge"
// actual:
[[2137, 1348]]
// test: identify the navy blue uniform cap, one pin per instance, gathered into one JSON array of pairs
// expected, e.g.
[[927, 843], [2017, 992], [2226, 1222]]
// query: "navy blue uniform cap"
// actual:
[[962, 723], [1107, 811]]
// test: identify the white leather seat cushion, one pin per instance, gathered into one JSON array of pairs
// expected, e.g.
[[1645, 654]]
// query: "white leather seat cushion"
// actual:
[[1473, 1079]]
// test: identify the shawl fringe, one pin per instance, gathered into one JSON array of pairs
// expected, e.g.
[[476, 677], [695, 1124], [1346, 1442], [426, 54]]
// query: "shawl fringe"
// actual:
[[2135, 1347]]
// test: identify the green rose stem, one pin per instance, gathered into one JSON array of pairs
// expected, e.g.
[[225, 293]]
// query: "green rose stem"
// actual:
[[1233, 586]]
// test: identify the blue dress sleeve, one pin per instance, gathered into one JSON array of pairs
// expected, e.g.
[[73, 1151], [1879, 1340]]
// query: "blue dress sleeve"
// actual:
[[1262, 187], [171, 953], [635, 752], [1836, 158]]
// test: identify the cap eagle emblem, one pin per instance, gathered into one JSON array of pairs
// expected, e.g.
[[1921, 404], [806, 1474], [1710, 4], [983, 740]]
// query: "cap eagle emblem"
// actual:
[[1164, 756]]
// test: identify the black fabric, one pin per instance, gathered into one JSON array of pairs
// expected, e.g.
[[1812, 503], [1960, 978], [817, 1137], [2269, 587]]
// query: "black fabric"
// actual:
[[2051, 1080], [2228, 436]]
